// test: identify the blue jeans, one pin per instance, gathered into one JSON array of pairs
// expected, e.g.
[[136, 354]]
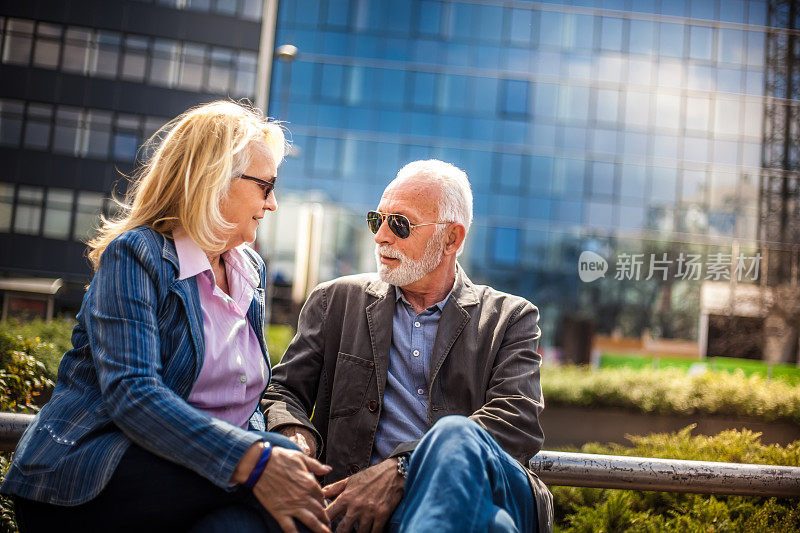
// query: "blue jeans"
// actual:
[[460, 480]]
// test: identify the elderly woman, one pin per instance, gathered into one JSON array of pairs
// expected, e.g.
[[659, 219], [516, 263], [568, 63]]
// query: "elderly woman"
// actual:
[[154, 422]]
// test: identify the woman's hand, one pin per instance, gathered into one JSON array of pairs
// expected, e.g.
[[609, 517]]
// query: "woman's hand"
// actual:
[[287, 488]]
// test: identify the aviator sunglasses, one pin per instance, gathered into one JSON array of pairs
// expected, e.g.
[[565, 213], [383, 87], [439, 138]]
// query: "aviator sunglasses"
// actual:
[[399, 224], [266, 186]]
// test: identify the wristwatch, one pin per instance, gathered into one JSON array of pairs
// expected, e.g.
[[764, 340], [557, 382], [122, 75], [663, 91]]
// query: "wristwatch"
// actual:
[[402, 465]]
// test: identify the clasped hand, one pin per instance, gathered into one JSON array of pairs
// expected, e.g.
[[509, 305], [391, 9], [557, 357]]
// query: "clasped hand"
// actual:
[[367, 499]]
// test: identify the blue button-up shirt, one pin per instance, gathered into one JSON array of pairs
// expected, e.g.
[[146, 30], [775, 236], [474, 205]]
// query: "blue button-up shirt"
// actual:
[[404, 416]]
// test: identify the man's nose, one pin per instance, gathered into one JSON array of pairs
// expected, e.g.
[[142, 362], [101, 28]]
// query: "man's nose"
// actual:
[[384, 234]]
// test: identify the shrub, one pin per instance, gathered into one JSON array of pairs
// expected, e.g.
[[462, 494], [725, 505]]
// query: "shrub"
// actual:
[[670, 391], [581, 509], [22, 376], [54, 335]]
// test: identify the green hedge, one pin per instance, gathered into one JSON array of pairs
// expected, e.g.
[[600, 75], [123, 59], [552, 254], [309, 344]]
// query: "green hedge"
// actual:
[[53, 337], [670, 391], [580, 509]]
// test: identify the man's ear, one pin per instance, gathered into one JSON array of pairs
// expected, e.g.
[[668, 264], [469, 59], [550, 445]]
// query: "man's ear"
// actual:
[[453, 237]]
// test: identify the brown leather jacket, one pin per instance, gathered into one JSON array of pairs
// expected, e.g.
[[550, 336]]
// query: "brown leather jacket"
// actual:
[[484, 365]]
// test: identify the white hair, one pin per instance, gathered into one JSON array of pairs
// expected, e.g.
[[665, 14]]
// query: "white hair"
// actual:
[[455, 201]]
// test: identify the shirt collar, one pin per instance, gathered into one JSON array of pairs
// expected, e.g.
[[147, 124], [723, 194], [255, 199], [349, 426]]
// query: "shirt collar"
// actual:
[[192, 260], [399, 296]]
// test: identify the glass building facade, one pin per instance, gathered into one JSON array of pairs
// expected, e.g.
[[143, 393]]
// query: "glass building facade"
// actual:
[[629, 128]]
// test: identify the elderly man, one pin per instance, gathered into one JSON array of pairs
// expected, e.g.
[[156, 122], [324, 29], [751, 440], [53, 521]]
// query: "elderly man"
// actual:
[[379, 361]]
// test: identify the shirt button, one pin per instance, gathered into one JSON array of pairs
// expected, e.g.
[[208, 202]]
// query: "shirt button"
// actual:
[[353, 468], [417, 324], [420, 391], [372, 405], [415, 353], [242, 379]]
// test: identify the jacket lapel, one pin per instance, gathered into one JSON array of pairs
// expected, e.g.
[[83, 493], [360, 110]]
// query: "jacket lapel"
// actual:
[[454, 318], [380, 315], [186, 290]]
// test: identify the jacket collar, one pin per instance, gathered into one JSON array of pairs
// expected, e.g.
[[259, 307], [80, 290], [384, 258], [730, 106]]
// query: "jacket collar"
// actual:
[[380, 314]]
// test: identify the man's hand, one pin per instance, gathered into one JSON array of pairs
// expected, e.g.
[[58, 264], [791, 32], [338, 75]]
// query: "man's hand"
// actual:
[[302, 437], [368, 498], [289, 490]]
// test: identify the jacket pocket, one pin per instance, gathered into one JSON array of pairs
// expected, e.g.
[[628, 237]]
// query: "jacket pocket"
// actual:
[[350, 381], [45, 443]]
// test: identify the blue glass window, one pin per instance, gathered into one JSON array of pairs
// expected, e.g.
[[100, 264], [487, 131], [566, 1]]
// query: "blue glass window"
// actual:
[[490, 22], [668, 111], [426, 51], [757, 13], [636, 144], [521, 24], [424, 89], [674, 7], [726, 152], [731, 46], [754, 84], [701, 42], [461, 20], [326, 154], [701, 78], [541, 173], [666, 146], [331, 82], [338, 12], [510, 171], [607, 105], [600, 214], [582, 32], [302, 78], [663, 185], [398, 16], [729, 80], [550, 28], [514, 97], [454, 95], [703, 9], [125, 146], [392, 87], [575, 103], [458, 55], [604, 141], [307, 12], [603, 178], [671, 39], [505, 246], [633, 182], [631, 217], [612, 34], [430, 17], [755, 48], [546, 100], [642, 33], [732, 11], [693, 186]]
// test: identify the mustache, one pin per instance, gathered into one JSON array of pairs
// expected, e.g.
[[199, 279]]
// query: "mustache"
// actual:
[[388, 251]]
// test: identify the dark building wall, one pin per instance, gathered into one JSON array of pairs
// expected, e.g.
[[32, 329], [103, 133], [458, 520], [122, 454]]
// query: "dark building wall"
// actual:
[[29, 173]]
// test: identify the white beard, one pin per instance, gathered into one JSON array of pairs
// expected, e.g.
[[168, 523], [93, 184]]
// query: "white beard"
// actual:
[[410, 270]]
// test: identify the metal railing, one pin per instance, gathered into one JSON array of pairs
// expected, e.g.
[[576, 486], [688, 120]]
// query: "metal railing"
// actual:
[[670, 475], [604, 471]]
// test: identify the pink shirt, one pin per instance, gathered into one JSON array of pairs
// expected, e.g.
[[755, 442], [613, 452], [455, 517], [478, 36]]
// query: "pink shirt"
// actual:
[[234, 371]]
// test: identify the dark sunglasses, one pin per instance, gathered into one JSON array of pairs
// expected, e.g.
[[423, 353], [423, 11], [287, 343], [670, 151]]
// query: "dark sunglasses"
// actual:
[[399, 224], [266, 186]]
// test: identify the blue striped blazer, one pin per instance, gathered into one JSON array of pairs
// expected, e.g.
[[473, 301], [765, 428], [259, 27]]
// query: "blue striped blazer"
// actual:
[[138, 349]]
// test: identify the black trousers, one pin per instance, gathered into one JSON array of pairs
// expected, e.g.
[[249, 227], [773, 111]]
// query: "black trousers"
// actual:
[[150, 494]]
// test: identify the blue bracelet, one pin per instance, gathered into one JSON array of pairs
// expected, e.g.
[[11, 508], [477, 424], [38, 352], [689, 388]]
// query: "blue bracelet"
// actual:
[[260, 465]]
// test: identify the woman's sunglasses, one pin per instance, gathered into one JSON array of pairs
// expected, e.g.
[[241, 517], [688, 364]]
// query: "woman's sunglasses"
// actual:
[[266, 186], [399, 224]]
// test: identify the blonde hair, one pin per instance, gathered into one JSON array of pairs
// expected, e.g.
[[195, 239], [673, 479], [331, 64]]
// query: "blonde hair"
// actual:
[[184, 180]]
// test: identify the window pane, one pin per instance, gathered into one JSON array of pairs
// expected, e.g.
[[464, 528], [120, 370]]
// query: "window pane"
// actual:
[[226, 7], [126, 138], [515, 97], [76, 50], [57, 214], [701, 42], [48, 45], [98, 134], [246, 74], [37, 127], [10, 122], [219, 78], [251, 9], [192, 66], [6, 205], [65, 137], [27, 218], [86, 215], [134, 60], [163, 63], [106, 54], [505, 246], [18, 42]]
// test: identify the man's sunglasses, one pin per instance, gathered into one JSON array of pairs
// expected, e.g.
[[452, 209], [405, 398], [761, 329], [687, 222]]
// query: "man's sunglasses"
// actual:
[[266, 186], [399, 224]]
